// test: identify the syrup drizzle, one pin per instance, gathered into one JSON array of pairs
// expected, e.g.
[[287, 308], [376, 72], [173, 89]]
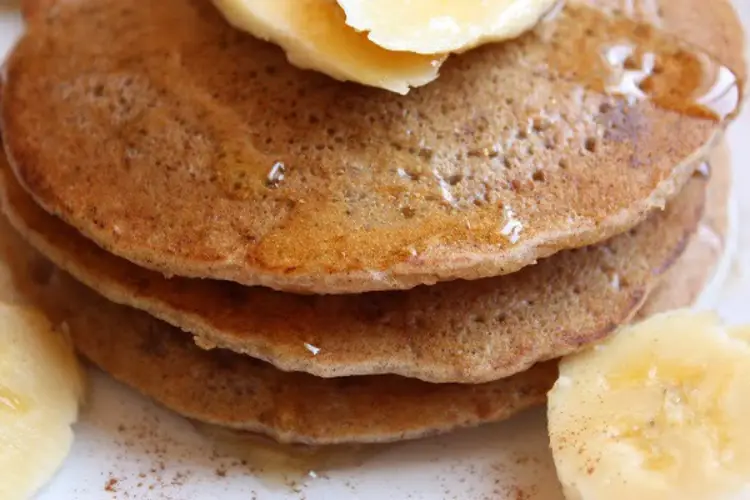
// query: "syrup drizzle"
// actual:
[[622, 53], [285, 466], [619, 56]]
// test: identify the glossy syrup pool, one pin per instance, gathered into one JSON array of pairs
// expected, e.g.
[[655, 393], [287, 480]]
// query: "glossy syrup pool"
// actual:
[[616, 55], [286, 466]]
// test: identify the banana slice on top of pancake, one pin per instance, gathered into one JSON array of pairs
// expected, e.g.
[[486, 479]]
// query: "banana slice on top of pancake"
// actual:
[[430, 27], [314, 35], [390, 44]]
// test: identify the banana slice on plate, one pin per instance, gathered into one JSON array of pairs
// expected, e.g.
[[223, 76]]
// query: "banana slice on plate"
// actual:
[[660, 411], [314, 35], [40, 389], [441, 26]]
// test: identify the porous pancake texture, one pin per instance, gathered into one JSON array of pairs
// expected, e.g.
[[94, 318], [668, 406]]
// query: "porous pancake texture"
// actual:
[[228, 389], [177, 142], [463, 331]]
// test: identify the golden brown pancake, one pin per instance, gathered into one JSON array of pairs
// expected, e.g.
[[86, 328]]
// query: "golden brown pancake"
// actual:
[[686, 280], [464, 331], [161, 133], [237, 391]]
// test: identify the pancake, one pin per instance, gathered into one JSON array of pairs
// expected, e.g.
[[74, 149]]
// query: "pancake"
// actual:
[[686, 281], [220, 387], [464, 331], [183, 145], [237, 391]]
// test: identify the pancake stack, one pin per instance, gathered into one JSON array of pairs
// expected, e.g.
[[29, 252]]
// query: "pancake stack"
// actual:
[[267, 249]]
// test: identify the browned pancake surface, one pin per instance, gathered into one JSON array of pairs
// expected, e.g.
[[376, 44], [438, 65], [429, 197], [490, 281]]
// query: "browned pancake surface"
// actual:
[[684, 282], [464, 331], [228, 389], [154, 129]]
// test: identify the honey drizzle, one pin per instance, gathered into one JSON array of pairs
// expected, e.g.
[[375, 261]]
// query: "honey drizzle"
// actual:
[[286, 466], [619, 56]]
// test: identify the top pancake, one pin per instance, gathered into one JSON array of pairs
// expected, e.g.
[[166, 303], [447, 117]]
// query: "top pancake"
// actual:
[[154, 128]]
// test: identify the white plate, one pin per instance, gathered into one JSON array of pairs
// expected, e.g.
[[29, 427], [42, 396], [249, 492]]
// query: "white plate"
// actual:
[[126, 447]]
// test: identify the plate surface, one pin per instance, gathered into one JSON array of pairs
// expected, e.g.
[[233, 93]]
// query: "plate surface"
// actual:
[[126, 447]]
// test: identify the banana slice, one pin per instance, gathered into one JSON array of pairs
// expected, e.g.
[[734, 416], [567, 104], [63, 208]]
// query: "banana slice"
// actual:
[[314, 35], [40, 388], [660, 411], [442, 26]]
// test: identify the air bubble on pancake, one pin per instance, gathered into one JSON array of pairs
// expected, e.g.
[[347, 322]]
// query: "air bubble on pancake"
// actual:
[[408, 212], [454, 179], [425, 153], [590, 144]]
